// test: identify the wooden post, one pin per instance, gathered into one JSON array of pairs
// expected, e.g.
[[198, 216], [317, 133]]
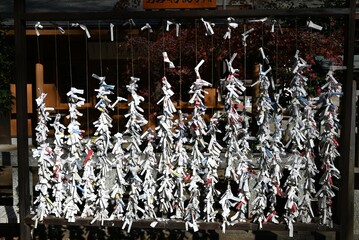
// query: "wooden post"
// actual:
[[346, 199], [5, 127], [21, 111], [210, 98]]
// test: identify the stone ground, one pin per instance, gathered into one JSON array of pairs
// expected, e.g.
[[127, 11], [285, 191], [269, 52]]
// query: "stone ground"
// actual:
[[356, 213], [11, 231]]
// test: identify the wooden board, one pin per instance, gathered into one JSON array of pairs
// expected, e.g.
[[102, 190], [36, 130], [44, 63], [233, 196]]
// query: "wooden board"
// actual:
[[180, 225], [172, 4]]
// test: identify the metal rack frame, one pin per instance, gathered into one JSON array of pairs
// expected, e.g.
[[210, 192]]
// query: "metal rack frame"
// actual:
[[345, 207]]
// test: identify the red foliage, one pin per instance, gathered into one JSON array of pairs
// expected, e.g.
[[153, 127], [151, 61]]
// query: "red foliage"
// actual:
[[192, 46]]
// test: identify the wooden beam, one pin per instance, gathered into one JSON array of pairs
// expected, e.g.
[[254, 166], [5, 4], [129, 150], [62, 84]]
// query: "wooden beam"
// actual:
[[180, 225], [347, 140], [21, 109], [179, 4], [187, 14]]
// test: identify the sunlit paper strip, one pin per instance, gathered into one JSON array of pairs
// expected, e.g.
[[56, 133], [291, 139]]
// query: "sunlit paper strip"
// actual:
[[167, 60], [83, 27], [111, 31], [229, 63], [208, 26], [258, 20], [245, 35], [37, 27], [262, 74], [129, 22], [263, 55], [310, 24], [62, 31], [231, 24], [169, 23], [147, 26], [196, 69], [274, 22]]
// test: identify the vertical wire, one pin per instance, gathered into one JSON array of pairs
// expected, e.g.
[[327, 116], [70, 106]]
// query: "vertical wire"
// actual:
[[56, 73], [38, 59], [100, 46], [244, 81], [38, 48], [212, 67], [245, 55], [262, 38], [149, 78], [296, 34], [311, 53], [87, 88], [276, 57], [245, 66], [229, 57], [330, 26], [70, 58], [262, 34], [131, 41], [311, 42], [163, 47], [180, 67], [117, 78], [229, 48], [195, 34]]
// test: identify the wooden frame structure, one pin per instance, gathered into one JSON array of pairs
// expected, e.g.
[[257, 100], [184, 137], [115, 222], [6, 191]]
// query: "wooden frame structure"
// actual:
[[345, 211]]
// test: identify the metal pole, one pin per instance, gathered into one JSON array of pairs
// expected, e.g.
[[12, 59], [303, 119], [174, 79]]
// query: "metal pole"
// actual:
[[21, 111]]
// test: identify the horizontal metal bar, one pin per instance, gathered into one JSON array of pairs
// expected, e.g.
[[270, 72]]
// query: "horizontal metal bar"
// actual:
[[173, 224], [186, 14]]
